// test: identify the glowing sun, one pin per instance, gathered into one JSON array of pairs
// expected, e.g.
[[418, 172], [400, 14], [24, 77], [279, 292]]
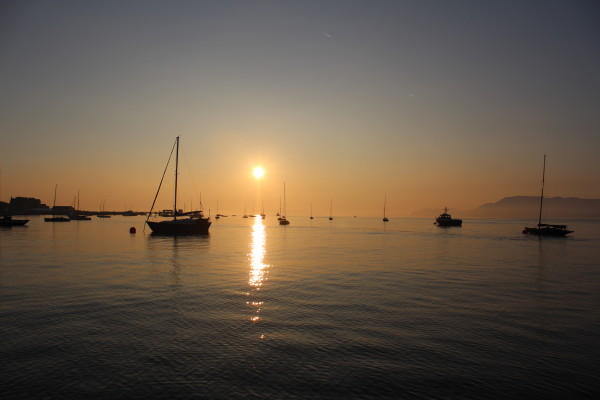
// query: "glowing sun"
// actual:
[[258, 172]]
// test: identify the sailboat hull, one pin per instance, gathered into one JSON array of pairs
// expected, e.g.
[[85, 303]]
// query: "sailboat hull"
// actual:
[[547, 231], [196, 226], [57, 219]]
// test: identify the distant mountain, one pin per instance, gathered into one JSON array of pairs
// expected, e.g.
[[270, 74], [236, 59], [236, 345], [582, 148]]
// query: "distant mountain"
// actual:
[[528, 207]]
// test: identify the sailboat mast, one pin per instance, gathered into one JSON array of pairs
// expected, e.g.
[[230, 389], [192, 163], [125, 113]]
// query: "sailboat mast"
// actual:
[[176, 167], [384, 204], [542, 195], [284, 202], [54, 201]]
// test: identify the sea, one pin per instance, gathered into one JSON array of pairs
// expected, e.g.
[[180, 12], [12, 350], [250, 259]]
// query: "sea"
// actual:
[[352, 308]]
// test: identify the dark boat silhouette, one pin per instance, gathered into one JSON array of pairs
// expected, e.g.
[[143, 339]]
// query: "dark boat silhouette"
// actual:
[[7, 220], [195, 223], [102, 214], [75, 216], [283, 220], [79, 217], [54, 218], [446, 219], [546, 229], [385, 219]]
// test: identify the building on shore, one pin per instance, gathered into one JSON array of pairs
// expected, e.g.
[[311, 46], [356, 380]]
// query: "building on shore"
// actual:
[[27, 205]]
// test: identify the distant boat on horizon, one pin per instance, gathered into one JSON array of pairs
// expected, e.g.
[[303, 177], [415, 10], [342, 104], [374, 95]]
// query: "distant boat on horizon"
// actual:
[[385, 219], [76, 216], [311, 216], [446, 219], [102, 214], [546, 229], [331, 211], [54, 218], [196, 223], [279, 213], [283, 220]]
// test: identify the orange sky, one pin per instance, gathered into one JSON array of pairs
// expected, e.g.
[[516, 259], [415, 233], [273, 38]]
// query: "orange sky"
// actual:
[[434, 105]]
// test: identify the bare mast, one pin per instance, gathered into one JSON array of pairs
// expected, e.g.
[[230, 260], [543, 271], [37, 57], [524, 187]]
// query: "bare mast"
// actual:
[[176, 167], [542, 196]]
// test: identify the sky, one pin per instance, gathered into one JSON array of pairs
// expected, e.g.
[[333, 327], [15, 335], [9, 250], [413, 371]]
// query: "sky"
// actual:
[[429, 104]]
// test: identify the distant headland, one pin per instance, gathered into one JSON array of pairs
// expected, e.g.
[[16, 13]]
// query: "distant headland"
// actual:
[[527, 207]]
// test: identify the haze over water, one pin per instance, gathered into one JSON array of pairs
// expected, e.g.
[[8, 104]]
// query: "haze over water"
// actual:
[[349, 308]]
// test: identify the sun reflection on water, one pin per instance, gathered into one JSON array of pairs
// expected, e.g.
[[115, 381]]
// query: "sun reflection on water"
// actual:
[[258, 268]]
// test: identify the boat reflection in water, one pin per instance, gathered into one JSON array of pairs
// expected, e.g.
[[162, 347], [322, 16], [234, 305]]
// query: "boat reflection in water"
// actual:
[[258, 268]]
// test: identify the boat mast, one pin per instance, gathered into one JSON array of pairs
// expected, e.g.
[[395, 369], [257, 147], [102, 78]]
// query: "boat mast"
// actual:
[[284, 202], [176, 166], [54, 201], [384, 201], [542, 196]]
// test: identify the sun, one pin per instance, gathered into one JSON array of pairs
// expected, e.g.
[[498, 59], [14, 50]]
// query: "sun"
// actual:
[[258, 172]]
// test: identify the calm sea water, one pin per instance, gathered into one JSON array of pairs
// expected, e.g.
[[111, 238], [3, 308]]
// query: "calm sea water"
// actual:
[[342, 309]]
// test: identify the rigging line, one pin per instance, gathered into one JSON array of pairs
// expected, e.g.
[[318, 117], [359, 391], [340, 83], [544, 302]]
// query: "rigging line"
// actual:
[[160, 184], [189, 170]]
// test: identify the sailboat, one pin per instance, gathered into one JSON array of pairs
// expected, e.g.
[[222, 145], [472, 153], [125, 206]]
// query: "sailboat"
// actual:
[[54, 218], [385, 219], [245, 215], [76, 216], [330, 210], [102, 214], [311, 216], [279, 213], [263, 215], [283, 220], [195, 223], [546, 229]]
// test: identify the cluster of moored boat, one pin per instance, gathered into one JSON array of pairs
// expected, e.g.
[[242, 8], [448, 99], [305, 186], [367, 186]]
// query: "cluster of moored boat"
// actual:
[[194, 222]]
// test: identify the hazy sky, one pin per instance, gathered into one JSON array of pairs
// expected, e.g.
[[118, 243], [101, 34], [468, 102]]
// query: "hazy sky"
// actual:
[[432, 103]]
